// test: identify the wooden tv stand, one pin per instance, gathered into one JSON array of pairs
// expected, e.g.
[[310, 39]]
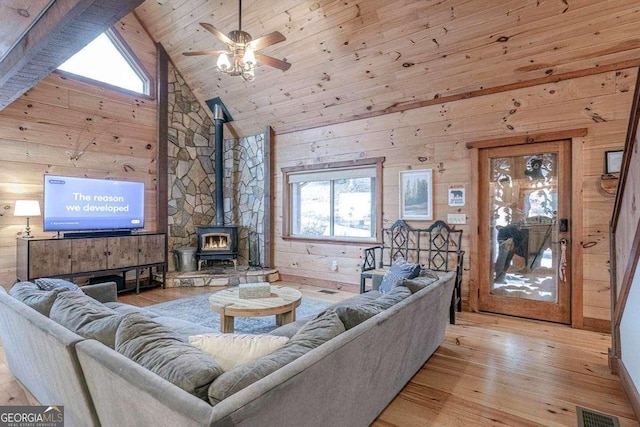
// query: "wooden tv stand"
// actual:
[[91, 256]]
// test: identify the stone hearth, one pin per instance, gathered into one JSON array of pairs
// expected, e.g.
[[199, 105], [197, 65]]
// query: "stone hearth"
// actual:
[[220, 276]]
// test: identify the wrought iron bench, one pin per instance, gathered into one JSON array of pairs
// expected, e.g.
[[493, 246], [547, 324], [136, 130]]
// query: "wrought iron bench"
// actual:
[[437, 248]]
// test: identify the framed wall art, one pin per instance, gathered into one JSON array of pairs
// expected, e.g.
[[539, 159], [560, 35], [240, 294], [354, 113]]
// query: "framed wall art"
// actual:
[[416, 194], [456, 195]]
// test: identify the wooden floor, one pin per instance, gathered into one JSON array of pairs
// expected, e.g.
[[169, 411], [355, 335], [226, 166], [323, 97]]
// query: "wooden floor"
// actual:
[[490, 371]]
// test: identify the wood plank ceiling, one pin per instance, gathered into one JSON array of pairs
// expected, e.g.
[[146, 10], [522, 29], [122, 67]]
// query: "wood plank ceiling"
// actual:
[[354, 58]]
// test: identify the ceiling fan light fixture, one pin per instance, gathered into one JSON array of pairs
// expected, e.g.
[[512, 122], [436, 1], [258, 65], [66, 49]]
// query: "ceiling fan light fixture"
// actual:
[[249, 58], [249, 75], [242, 55], [223, 63]]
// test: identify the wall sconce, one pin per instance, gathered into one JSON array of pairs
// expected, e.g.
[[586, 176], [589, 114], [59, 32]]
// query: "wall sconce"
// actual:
[[28, 208]]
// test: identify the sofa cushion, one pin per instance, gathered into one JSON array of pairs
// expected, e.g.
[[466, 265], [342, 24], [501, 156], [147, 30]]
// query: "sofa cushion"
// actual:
[[424, 279], [30, 294], [128, 309], [49, 284], [290, 329], [183, 328], [313, 334], [353, 315], [164, 353], [231, 350], [86, 317], [400, 269]]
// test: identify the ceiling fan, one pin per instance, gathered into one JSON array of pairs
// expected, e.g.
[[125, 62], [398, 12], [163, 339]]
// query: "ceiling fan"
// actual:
[[241, 56]]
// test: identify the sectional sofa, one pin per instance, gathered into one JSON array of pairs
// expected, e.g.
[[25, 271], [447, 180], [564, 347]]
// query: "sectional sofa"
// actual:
[[344, 377]]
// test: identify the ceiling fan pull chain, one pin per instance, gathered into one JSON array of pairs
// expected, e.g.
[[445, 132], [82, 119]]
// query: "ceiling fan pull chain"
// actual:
[[239, 15]]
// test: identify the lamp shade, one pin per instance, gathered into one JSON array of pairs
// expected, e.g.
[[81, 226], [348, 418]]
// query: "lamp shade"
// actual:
[[27, 208]]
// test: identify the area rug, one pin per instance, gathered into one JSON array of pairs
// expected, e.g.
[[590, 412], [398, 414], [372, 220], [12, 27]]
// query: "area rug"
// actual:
[[196, 310]]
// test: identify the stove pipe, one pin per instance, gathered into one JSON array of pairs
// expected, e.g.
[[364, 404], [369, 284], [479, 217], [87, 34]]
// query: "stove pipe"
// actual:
[[218, 120]]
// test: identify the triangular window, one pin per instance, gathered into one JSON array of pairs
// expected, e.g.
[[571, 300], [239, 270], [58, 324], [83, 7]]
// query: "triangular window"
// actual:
[[107, 60]]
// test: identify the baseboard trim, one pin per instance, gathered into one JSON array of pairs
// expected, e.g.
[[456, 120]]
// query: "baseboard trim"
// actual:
[[596, 325], [629, 387], [321, 283]]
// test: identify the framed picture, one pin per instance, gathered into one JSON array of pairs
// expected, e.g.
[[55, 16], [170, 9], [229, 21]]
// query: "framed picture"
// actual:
[[613, 161], [456, 195], [416, 194]]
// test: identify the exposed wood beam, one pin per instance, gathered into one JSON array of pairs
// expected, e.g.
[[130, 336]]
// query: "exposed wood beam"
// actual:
[[397, 108], [528, 139], [63, 29]]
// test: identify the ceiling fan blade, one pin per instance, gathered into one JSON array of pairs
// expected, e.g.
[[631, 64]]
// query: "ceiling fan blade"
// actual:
[[272, 62], [206, 52], [219, 34], [268, 40]]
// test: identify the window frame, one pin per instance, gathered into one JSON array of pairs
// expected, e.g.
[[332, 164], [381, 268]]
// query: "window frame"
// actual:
[[127, 53], [287, 200]]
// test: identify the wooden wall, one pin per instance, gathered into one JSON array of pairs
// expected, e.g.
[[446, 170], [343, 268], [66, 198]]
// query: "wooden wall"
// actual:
[[67, 127], [435, 137]]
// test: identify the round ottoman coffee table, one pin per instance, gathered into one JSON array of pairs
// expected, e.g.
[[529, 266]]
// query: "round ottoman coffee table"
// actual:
[[282, 302]]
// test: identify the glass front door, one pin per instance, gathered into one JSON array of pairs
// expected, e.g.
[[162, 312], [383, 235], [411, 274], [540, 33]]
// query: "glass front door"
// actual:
[[525, 221]]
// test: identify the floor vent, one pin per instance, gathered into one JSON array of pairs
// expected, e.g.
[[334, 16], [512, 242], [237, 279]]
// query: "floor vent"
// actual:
[[589, 418], [327, 291]]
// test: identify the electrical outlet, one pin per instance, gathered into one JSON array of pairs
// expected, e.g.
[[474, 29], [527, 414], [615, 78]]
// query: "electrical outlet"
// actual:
[[457, 218], [334, 266]]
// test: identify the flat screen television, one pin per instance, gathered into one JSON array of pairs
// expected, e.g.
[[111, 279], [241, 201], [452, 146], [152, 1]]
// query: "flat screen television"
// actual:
[[88, 204]]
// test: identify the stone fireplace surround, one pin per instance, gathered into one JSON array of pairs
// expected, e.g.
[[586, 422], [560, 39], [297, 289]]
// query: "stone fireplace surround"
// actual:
[[191, 177]]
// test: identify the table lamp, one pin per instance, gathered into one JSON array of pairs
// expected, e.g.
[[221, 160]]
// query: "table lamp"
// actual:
[[28, 208]]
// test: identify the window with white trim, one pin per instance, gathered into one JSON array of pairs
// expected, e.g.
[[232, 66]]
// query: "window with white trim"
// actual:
[[336, 201], [107, 60]]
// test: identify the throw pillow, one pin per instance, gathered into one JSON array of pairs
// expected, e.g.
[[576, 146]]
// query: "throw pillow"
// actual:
[[400, 269], [164, 353], [231, 350], [313, 334], [49, 284], [30, 294], [86, 317]]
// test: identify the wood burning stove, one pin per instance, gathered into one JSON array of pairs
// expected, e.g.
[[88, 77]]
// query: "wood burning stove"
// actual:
[[217, 242]]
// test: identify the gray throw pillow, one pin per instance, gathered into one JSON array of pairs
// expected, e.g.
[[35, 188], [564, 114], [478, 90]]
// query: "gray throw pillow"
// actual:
[[86, 317], [30, 294], [164, 353], [48, 284], [400, 269], [313, 334]]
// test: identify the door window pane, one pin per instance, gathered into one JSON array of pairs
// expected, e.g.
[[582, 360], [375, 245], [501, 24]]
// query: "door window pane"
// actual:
[[524, 206]]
